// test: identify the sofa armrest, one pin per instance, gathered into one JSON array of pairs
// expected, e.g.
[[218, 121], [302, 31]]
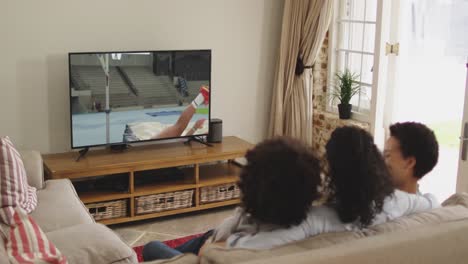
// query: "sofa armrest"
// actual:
[[91, 244], [34, 168]]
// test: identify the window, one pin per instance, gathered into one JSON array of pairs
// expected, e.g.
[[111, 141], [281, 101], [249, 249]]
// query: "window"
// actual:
[[352, 46]]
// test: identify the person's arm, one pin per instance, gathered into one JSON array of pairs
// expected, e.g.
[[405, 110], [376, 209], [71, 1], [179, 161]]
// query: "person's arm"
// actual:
[[318, 220], [227, 227], [207, 243], [222, 232], [403, 203], [266, 239]]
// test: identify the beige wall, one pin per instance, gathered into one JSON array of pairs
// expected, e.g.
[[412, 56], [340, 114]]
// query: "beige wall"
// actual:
[[35, 37]]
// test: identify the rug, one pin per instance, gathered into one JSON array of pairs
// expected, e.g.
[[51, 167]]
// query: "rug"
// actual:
[[172, 243]]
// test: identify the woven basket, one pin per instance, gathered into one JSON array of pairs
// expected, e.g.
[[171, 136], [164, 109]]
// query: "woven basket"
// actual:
[[163, 202], [107, 210], [217, 193]]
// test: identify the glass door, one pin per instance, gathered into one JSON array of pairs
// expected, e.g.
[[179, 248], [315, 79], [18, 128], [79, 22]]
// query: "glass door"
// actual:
[[426, 79]]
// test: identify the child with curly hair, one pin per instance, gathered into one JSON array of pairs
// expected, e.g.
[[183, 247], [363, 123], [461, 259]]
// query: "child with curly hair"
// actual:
[[278, 185]]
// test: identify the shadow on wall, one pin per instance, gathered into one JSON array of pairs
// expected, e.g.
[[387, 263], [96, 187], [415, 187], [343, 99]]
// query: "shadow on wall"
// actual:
[[32, 108], [58, 107]]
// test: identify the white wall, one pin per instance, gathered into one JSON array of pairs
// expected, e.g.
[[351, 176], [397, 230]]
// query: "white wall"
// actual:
[[35, 37]]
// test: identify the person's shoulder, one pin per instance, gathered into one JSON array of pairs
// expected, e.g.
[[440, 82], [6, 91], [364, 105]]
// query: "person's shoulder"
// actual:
[[323, 219], [321, 212], [397, 199], [326, 208], [431, 197], [399, 196], [239, 212]]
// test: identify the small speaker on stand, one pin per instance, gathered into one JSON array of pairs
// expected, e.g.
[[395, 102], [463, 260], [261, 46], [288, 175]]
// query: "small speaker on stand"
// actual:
[[216, 131]]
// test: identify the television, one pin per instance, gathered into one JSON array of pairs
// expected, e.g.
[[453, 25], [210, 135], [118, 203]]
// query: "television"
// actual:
[[123, 97]]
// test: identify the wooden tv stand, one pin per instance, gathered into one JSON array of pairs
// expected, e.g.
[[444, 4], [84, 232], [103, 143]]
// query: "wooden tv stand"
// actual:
[[202, 166]]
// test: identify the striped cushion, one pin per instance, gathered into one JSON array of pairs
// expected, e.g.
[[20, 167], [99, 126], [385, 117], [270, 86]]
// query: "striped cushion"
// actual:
[[14, 188], [26, 243]]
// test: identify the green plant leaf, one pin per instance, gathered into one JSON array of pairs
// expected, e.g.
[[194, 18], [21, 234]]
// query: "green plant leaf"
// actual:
[[345, 87]]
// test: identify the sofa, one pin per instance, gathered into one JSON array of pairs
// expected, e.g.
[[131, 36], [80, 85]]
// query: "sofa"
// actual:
[[67, 223], [436, 236]]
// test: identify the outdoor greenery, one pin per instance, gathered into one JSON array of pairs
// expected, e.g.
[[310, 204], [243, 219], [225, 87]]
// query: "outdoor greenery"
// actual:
[[447, 133]]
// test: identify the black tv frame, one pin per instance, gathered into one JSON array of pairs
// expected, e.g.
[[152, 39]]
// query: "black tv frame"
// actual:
[[141, 141]]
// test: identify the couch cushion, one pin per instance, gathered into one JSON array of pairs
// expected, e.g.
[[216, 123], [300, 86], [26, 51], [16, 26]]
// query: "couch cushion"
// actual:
[[59, 206], [14, 188], [215, 254], [27, 243], [445, 243], [34, 168], [92, 243]]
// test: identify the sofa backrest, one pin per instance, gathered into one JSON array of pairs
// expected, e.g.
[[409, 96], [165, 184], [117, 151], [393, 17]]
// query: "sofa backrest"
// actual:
[[214, 254], [34, 168], [455, 210], [444, 243], [429, 218]]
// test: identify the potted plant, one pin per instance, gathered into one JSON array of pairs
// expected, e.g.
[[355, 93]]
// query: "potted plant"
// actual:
[[346, 87]]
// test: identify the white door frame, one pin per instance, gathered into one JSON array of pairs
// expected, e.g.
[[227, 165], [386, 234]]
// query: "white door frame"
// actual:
[[462, 177], [379, 85]]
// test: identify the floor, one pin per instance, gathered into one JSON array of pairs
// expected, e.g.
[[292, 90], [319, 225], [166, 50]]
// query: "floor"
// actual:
[[172, 227]]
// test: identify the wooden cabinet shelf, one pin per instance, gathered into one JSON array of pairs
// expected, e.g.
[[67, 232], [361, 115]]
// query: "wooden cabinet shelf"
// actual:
[[170, 212], [183, 182], [200, 166], [92, 197], [219, 204], [163, 188], [218, 174]]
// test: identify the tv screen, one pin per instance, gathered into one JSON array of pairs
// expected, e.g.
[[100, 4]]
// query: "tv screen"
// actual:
[[126, 97]]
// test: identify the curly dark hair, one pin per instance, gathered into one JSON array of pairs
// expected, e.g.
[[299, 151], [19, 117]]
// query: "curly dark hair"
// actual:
[[418, 141], [359, 180], [279, 182]]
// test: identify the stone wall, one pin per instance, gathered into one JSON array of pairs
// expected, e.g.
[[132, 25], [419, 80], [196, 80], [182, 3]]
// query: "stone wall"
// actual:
[[325, 122]]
